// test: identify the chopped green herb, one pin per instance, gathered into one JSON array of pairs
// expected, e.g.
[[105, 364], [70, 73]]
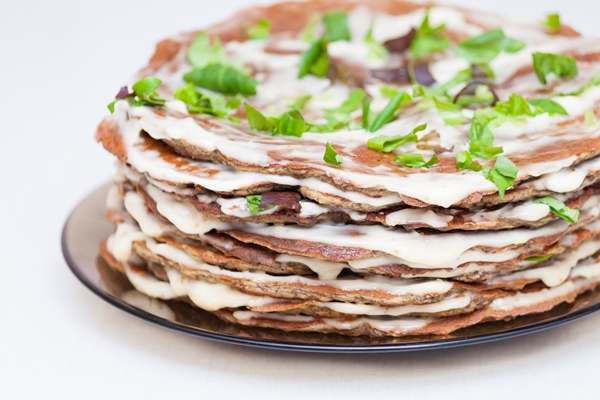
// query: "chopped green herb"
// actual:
[[561, 66], [590, 118], [257, 120], [539, 258], [415, 160], [465, 161], [352, 103], [339, 117], [388, 91], [516, 106], [222, 78], [482, 95], [315, 60], [485, 47], [254, 204], [300, 102], [559, 208], [388, 113], [336, 26], [548, 106], [144, 94], [594, 81], [450, 112], [376, 50], [308, 34], [553, 21], [213, 104], [427, 40], [502, 174], [331, 155], [387, 144], [291, 123], [260, 30], [481, 138], [201, 52]]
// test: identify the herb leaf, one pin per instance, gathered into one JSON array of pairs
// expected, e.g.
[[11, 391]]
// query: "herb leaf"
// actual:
[[201, 52], [549, 106], [257, 120], [415, 160], [450, 112], [539, 258], [387, 114], [590, 118], [502, 174], [559, 208], [254, 204], [464, 161], [427, 40], [553, 21], [212, 104], [516, 106], [144, 94], [336, 26], [481, 139], [300, 102], [487, 46], [260, 30], [291, 123], [547, 63], [376, 50], [387, 144], [315, 60], [331, 155], [222, 78]]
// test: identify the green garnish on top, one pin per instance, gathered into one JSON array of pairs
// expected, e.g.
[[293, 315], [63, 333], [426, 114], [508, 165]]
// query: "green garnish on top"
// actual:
[[222, 78], [484, 48], [336, 26], [503, 174], [553, 21], [376, 50], [415, 160], [205, 103], [144, 94], [331, 156], [387, 144], [290, 123], [254, 204], [450, 112], [391, 111], [315, 60], [260, 31], [559, 208], [202, 52], [428, 40], [547, 63]]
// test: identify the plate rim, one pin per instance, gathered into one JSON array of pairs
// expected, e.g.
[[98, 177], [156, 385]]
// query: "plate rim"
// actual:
[[296, 346]]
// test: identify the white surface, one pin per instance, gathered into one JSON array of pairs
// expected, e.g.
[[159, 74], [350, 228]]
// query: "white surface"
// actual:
[[61, 63]]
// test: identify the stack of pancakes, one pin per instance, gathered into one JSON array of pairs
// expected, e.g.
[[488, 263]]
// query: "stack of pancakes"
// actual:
[[262, 231]]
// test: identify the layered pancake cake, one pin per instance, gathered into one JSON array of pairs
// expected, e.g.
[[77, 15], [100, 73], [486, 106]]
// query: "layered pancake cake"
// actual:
[[382, 168]]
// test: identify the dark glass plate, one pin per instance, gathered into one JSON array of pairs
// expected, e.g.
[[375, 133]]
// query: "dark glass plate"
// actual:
[[86, 228]]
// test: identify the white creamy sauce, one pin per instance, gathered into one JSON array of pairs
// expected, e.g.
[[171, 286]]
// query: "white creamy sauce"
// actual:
[[323, 268], [418, 216]]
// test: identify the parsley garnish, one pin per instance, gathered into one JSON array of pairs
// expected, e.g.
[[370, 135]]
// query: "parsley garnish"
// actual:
[[144, 94], [559, 208], [331, 155], [376, 50], [548, 106], [315, 60], [300, 102], [465, 161], [553, 21], [260, 30], [450, 112], [336, 26], [212, 104], [427, 40], [590, 118], [539, 258], [222, 78], [485, 47], [290, 123], [254, 204], [502, 174], [387, 144], [201, 52], [387, 114], [481, 138], [561, 66], [415, 160]]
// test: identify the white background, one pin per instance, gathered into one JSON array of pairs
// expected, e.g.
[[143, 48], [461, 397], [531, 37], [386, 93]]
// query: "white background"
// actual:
[[61, 63]]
